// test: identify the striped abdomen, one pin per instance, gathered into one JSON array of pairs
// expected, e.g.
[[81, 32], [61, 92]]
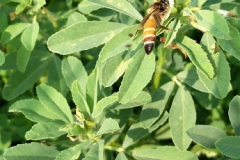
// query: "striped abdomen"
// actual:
[[149, 34]]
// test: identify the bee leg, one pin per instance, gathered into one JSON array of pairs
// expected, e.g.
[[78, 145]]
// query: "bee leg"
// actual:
[[158, 21]]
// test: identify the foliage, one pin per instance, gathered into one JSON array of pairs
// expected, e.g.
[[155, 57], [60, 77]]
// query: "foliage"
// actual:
[[78, 73]]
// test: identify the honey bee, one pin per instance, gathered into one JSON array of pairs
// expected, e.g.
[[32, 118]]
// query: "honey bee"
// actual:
[[156, 14]]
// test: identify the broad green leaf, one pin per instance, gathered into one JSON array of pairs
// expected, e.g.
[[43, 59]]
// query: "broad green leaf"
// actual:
[[234, 22], [141, 99], [31, 151], [73, 69], [12, 31], [2, 58], [80, 36], [75, 17], [20, 8], [234, 114], [23, 56], [196, 54], [136, 131], [126, 19], [54, 102], [190, 77], [33, 110], [205, 135], [231, 46], [121, 156], [119, 43], [122, 6], [73, 152], [80, 99], [19, 82], [93, 89], [182, 116], [206, 100], [163, 153], [214, 23], [55, 76], [137, 76], [152, 111], [29, 36], [45, 130], [114, 67], [108, 125], [229, 146], [233, 7], [219, 85], [87, 7], [103, 104], [96, 152]]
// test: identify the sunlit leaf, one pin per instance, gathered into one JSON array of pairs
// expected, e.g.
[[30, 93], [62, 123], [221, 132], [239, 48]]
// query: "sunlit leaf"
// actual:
[[31, 151], [182, 116], [234, 112], [205, 135], [80, 36]]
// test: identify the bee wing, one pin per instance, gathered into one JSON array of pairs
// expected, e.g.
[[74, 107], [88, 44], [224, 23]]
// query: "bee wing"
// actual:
[[150, 11]]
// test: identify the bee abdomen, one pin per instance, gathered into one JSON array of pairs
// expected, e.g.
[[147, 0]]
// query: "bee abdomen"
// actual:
[[149, 41], [149, 34]]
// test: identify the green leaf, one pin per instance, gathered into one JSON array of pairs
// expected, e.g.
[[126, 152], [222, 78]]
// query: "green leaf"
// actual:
[[205, 135], [75, 17], [231, 46], [31, 151], [55, 76], [2, 58], [182, 116], [233, 22], [19, 82], [80, 99], [141, 99], [121, 6], [34, 110], [20, 8], [92, 89], [80, 36], [96, 152], [219, 85], [174, 25], [12, 31], [29, 36], [137, 76], [45, 130], [87, 7], [114, 68], [73, 69], [136, 131], [121, 156], [108, 125], [233, 7], [23, 56], [229, 146], [163, 153], [191, 78], [103, 104], [196, 54], [73, 152], [214, 23], [119, 43], [152, 111], [55, 102], [234, 114]]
